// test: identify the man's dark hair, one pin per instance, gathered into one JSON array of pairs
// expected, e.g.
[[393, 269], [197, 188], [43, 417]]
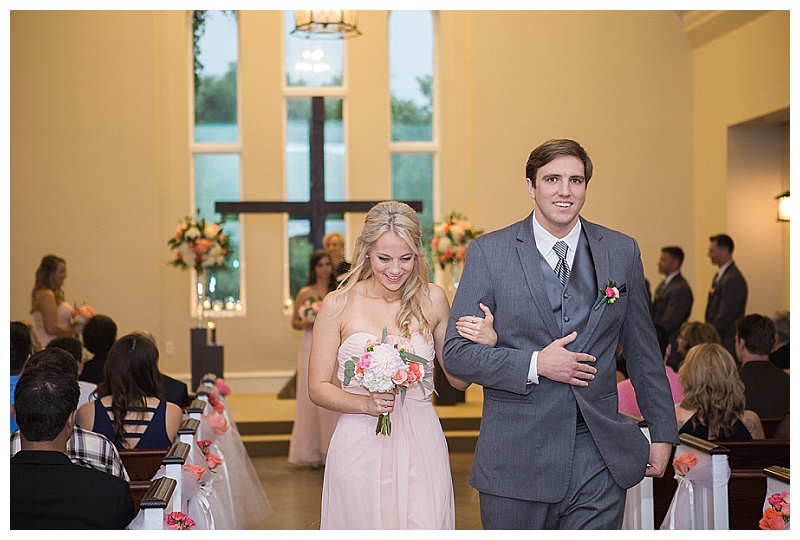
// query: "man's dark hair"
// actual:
[[99, 334], [550, 150], [663, 339], [675, 252], [63, 363], [758, 333], [781, 321], [21, 346], [70, 344], [723, 241], [44, 398]]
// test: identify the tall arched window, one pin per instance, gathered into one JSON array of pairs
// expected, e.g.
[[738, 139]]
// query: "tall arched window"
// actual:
[[411, 84], [216, 144], [312, 68]]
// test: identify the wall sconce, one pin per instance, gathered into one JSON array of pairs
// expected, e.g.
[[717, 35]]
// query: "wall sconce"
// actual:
[[784, 206], [326, 24]]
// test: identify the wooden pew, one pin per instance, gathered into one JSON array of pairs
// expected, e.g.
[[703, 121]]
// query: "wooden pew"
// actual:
[[156, 501], [747, 484], [142, 464], [770, 424]]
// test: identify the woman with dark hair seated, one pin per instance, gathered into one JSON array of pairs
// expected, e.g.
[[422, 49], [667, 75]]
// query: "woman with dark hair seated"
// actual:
[[130, 409], [712, 406]]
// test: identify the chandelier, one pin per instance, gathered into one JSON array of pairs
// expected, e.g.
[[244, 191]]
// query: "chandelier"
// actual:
[[325, 24]]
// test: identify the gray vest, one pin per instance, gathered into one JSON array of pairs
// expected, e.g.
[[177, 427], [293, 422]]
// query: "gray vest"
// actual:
[[572, 304]]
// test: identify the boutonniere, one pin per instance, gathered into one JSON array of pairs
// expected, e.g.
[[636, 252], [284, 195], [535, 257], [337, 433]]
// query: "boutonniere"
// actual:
[[610, 294]]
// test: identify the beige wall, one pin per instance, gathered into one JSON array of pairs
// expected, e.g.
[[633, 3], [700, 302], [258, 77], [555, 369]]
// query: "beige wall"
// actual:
[[100, 127], [740, 77]]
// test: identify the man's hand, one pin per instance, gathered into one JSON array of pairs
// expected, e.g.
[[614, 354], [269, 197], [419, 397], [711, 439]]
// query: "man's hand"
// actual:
[[558, 364], [659, 456]]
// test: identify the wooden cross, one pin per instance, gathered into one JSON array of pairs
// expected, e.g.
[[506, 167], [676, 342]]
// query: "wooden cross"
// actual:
[[317, 208]]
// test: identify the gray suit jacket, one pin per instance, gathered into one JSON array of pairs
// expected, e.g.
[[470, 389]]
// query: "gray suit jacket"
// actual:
[[727, 301], [527, 435]]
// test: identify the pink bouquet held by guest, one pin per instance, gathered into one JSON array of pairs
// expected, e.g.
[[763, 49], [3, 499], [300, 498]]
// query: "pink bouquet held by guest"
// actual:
[[82, 313], [308, 310], [386, 366]]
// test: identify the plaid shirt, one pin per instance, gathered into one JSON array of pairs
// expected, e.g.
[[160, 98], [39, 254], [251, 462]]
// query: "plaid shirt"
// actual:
[[87, 449]]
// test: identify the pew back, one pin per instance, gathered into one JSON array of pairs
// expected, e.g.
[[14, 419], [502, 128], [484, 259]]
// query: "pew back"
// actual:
[[141, 464]]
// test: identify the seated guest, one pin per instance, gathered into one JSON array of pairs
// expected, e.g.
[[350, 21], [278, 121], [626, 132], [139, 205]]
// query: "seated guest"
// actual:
[[692, 333], [99, 335], [74, 346], [48, 491], [85, 448], [780, 353], [21, 347], [130, 408], [766, 386], [175, 391], [713, 401], [627, 395]]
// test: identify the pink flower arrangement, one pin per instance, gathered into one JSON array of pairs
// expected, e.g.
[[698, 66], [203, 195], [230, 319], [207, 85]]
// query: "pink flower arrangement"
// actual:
[[776, 516], [199, 245], [684, 463], [214, 401], [82, 313], [217, 422], [196, 470], [450, 239], [308, 310], [178, 521], [212, 460], [388, 365], [222, 387]]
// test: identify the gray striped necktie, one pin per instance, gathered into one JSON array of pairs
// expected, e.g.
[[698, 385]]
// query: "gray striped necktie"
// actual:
[[562, 268]]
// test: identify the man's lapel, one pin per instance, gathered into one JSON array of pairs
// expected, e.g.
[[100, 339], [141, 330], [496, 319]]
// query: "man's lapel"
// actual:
[[529, 257], [600, 258]]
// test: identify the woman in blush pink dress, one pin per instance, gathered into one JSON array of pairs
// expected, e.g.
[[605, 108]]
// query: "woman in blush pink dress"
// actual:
[[52, 314], [313, 425], [374, 481]]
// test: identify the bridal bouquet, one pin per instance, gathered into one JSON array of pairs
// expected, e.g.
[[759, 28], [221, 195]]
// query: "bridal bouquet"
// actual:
[[82, 313], [200, 245], [308, 310], [450, 239], [388, 365]]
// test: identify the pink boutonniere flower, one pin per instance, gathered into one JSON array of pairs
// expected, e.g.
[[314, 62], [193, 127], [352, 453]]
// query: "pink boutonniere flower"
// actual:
[[610, 294]]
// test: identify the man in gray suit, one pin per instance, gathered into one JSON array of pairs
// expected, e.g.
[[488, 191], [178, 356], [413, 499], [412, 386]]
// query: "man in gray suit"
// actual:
[[553, 452], [672, 302], [727, 298]]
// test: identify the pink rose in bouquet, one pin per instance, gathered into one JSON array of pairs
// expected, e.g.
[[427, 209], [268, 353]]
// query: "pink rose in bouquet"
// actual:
[[388, 365], [222, 387], [82, 313], [451, 238], [776, 515], [213, 461], [308, 310], [178, 521], [204, 445]]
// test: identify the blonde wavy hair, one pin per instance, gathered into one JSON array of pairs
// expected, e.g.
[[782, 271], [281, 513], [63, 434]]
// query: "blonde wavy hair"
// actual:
[[402, 220], [711, 386]]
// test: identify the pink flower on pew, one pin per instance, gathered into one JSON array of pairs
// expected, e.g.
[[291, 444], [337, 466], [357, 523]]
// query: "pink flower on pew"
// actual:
[[222, 387], [196, 470], [217, 423], [776, 516], [684, 463], [204, 445], [178, 521], [213, 461], [214, 401]]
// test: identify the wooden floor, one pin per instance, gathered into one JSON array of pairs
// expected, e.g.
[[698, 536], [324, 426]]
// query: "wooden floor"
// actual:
[[265, 423]]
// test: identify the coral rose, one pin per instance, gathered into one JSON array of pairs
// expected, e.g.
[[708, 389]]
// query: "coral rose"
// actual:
[[683, 464], [772, 520]]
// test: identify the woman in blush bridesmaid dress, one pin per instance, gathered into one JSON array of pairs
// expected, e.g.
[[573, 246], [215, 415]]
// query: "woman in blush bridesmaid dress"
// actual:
[[373, 481], [313, 425]]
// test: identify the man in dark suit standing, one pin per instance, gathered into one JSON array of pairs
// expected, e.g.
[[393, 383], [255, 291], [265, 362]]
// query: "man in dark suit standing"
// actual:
[[553, 452], [672, 302], [47, 490], [727, 298]]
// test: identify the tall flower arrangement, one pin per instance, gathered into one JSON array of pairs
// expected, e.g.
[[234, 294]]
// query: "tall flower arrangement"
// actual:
[[450, 239], [199, 244]]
